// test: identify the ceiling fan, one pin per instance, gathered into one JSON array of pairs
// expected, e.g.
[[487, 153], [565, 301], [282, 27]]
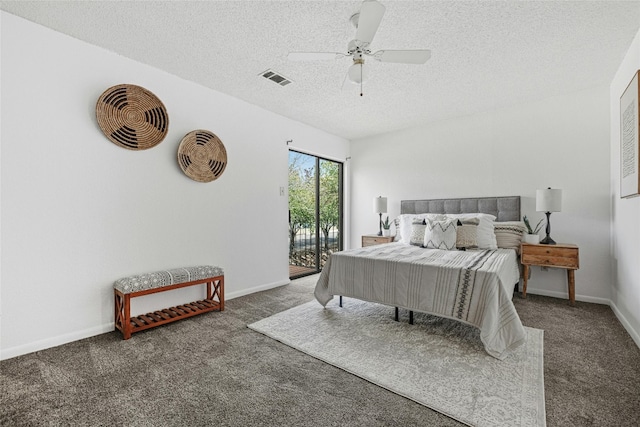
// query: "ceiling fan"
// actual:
[[366, 21]]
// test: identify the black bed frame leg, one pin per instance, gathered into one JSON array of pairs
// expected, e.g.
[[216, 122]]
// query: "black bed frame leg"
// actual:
[[411, 317], [396, 318], [340, 300]]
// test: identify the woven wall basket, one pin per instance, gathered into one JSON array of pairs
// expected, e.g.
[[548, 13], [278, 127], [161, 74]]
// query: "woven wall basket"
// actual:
[[202, 156], [132, 117]]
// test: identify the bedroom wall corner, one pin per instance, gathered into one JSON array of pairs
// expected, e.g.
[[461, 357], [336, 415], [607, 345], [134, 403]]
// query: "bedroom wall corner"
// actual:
[[78, 212], [625, 224]]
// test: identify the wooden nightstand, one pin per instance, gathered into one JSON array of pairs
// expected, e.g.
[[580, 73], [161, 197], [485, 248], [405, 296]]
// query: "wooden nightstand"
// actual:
[[373, 239], [562, 255]]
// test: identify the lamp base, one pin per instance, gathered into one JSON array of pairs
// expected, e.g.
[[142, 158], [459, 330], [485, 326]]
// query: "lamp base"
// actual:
[[547, 241]]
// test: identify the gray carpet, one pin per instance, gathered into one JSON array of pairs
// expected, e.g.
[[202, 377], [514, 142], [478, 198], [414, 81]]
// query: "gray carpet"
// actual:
[[213, 370]]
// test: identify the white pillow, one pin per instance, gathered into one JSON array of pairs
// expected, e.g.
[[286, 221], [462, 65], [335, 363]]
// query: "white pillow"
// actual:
[[406, 223], [396, 225], [486, 234], [441, 234]]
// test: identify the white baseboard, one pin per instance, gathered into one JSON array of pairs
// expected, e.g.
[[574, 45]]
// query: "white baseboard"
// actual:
[[109, 327], [55, 341], [635, 335], [243, 292], [563, 295], [625, 323]]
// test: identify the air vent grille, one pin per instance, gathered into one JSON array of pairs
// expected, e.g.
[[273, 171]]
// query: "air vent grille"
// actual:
[[275, 77]]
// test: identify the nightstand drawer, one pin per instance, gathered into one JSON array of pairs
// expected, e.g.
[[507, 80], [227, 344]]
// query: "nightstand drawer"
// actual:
[[375, 240], [547, 255]]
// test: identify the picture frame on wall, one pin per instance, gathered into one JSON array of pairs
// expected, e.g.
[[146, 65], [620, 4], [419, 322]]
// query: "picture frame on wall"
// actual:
[[630, 139]]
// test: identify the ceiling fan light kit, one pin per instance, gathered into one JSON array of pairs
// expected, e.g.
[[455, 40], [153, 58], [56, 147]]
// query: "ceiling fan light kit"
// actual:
[[366, 21], [358, 73]]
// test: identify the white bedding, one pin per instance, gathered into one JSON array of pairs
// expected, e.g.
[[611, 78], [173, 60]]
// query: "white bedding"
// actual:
[[474, 287]]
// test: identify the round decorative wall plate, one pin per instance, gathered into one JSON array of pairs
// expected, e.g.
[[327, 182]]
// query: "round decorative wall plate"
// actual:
[[132, 117], [202, 156]]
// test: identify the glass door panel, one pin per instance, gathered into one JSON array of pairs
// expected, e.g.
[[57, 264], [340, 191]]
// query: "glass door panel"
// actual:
[[315, 212], [330, 208]]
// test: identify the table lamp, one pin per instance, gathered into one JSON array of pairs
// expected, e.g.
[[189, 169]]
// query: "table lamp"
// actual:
[[380, 207], [547, 201]]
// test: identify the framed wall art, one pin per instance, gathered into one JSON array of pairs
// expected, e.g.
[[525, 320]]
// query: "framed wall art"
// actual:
[[629, 139]]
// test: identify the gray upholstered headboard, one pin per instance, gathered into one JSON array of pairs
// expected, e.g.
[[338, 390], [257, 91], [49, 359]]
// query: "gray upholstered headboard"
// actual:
[[503, 208]]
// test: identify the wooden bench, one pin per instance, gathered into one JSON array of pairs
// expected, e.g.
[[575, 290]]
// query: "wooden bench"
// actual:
[[134, 286]]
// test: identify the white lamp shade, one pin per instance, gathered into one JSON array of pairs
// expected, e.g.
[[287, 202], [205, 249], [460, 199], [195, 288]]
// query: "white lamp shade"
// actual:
[[358, 73], [549, 200], [380, 205]]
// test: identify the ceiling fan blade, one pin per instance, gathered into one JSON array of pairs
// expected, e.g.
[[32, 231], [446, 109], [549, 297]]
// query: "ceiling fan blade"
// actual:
[[403, 56], [314, 56], [371, 13], [345, 84]]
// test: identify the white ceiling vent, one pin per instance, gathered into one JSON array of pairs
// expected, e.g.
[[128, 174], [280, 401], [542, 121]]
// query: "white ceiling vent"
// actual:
[[275, 77]]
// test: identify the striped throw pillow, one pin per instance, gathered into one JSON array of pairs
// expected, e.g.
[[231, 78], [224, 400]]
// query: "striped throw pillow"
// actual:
[[467, 233], [417, 232], [509, 234]]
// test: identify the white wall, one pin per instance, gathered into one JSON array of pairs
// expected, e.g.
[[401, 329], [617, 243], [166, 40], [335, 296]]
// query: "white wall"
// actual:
[[560, 142], [79, 212], [625, 248]]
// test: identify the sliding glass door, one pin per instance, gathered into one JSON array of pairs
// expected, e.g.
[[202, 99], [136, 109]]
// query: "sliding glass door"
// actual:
[[315, 212]]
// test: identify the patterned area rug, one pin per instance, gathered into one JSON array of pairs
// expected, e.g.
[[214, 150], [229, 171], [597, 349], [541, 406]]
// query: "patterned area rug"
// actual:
[[436, 362]]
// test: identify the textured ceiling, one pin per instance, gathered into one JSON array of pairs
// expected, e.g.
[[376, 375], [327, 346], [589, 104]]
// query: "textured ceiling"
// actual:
[[484, 54]]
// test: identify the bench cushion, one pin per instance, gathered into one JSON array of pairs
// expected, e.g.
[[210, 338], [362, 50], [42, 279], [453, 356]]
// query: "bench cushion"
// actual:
[[159, 279]]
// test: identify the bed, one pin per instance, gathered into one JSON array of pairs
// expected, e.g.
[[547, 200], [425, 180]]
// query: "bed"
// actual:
[[473, 286]]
